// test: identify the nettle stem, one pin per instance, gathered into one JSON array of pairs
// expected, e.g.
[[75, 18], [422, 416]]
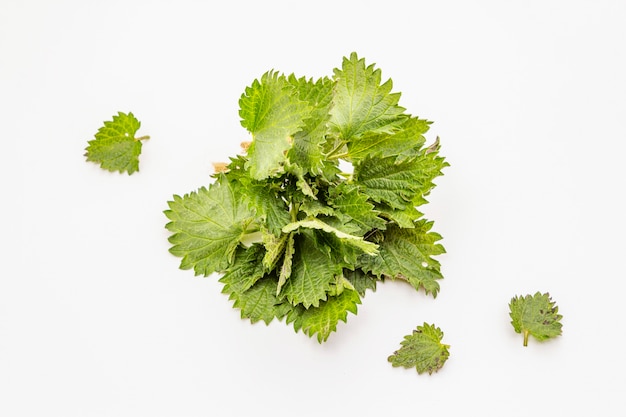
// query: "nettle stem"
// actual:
[[526, 333], [295, 209], [252, 237], [146, 137], [333, 154]]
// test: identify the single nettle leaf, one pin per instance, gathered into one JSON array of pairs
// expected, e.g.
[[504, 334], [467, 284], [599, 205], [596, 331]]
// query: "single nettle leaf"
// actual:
[[404, 143], [400, 184], [285, 270], [208, 225], [352, 240], [260, 301], [353, 208], [404, 218], [422, 350], [361, 103], [385, 181], [360, 280], [274, 248], [407, 254], [269, 205], [323, 320], [306, 151], [314, 208], [246, 284], [341, 283], [302, 183], [535, 315], [245, 271], [115, 147], [430, 166], [272, 112], [312, 273], [341, 254]]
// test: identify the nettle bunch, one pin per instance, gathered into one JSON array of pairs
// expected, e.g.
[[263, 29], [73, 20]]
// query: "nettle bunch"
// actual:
[[321, 206]]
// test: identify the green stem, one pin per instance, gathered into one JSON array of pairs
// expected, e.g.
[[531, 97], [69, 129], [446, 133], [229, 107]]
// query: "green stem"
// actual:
[[250, 237], [341, 155], [295, 209], [526, 333], [331, 154], [146, 137]]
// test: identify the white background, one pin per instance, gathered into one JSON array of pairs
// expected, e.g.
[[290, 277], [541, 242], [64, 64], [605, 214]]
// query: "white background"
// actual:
[[96, 319]]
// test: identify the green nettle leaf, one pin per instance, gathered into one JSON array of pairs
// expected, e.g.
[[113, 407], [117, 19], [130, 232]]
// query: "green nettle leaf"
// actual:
[[293, 235], [404, 143], [430, 164], [323, 320], [268, 204], [274, 246], [306, 151], [422, 350], [385, 181], [272, 112], [115, 146], [404, 218], [246, 269], [285, 269], [407, 254], [361, 103], [341, 252], [260, 302], [354, 208], [400, 184], [207, 226], [535, 315], [356, 241], [312, 273], [361, 281], [315, 208]]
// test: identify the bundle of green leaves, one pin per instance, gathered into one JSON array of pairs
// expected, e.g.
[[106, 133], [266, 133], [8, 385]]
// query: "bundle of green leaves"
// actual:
[[321, 206]]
